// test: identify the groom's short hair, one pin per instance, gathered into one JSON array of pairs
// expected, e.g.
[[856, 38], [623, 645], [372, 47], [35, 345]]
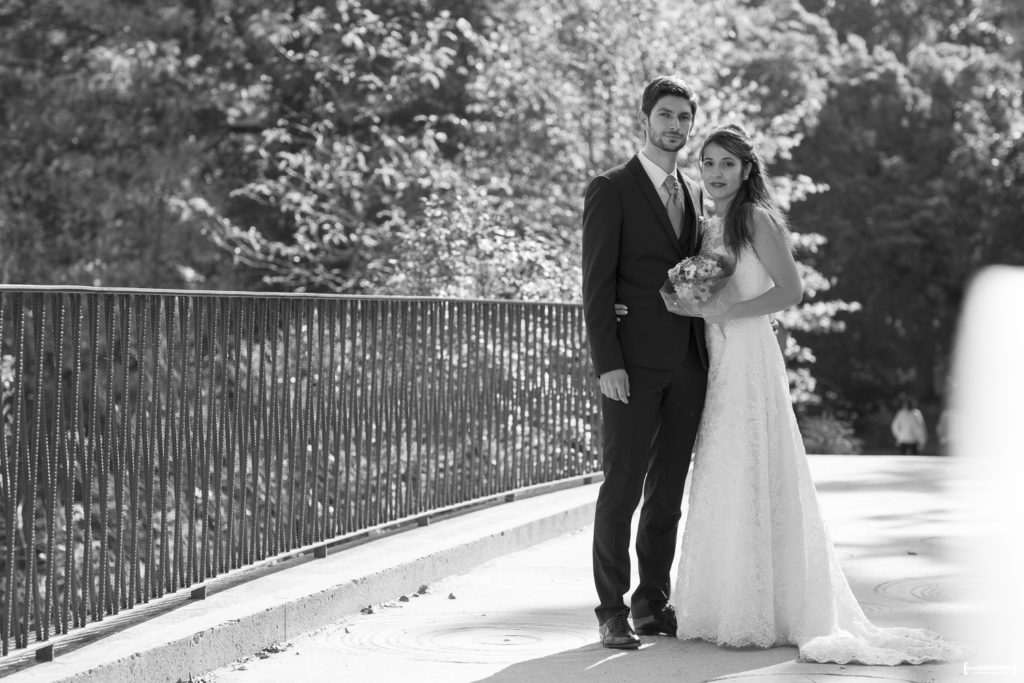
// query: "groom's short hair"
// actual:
[[667, 85]]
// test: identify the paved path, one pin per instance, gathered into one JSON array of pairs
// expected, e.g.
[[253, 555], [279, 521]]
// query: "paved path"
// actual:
[[527, 616]]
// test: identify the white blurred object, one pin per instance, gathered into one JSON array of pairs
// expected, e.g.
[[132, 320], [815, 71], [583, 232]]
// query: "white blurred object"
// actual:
[[987, 419]]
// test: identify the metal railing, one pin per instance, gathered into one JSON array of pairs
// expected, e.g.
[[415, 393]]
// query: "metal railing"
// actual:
[[155, 439]]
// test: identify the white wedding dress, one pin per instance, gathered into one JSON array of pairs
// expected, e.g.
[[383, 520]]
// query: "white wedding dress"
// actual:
[[757, 565]]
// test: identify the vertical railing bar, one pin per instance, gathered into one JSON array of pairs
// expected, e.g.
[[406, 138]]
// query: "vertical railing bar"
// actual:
[[320, 433], [278, 439], [499, 367], [485, 475], [462, 377], [471, 392], [396, 424], [8, 478], [71, 579], [173, 444], [475, 399], [544, 351], [405, 419], [331, 435], [463, 408], [197, 564], [134, 452], [550, 351], [231, 412], [200, 545], [66, 469], [159, 404], [121, 455], [51, 426], [297, 476], [444, 372], [541, 456], [456, 435], [414, 385], [348, 341], [7, 487], [525, 463], [571, 406], [219, 452], [520, 401], [22, 454], [434, 359], [246, 447], [491, 434], [307, 449], [415, 392], [92, 456], [478, 399], [272, 455], [162, 573], [285, 524], [260, 447], [107, 463], [530, 370], [373, 423], [424, 404], [385, 422], [359, 417], [565, 392], [285, 480], [142, 464], [36, 446], [506, 375]]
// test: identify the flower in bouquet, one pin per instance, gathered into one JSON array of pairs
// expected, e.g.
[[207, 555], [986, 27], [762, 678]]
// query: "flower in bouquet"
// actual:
[[695, 277], [696, 286]]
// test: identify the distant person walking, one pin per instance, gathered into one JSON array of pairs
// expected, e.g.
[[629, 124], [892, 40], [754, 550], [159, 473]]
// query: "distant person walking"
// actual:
[[908, 428]]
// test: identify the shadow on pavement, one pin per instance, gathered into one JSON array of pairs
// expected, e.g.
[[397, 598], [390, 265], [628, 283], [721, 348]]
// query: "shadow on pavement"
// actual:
[[657, 659]]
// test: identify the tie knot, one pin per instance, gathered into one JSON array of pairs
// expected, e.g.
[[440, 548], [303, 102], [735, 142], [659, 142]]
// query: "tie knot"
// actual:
[[672, 185]]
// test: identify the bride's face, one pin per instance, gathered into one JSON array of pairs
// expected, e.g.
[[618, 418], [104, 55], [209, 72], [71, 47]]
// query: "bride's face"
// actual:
[[722, 173]]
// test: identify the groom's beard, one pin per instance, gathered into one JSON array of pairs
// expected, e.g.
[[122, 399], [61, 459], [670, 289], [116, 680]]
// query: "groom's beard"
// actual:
[[667, 145]]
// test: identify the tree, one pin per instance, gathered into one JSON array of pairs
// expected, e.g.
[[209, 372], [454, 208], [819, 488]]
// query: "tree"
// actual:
[[922, 160], [106, 116]]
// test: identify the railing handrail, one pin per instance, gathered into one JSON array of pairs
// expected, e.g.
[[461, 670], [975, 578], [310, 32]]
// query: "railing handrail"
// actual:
[[246, 294]]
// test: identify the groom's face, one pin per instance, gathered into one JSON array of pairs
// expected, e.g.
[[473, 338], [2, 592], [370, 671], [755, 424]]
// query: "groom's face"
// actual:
[[668, 124]]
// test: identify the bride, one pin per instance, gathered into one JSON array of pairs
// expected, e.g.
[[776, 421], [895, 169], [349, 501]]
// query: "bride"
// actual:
[[757, 566]]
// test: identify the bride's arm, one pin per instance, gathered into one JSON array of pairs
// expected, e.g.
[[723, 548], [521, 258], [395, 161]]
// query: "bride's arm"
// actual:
[[772, 248]]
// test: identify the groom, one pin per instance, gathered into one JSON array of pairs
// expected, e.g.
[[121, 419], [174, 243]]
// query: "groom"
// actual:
[[639, 220]]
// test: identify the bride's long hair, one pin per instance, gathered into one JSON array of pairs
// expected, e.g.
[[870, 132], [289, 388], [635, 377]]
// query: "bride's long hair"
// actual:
[[754, 191]]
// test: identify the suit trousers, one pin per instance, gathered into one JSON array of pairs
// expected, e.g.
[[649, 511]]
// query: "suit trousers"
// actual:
[[647, 447]]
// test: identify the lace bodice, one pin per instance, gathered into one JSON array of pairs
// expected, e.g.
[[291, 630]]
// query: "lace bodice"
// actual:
[[750, 278]]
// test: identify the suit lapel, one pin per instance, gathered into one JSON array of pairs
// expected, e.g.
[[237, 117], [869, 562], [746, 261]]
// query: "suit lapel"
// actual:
[[644, 181]]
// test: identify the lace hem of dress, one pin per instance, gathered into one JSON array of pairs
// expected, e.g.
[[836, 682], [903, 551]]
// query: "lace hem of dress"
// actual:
[[885, 647]]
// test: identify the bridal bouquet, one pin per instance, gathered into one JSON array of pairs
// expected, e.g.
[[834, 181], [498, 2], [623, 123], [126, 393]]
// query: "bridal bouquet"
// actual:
[[698, 286]]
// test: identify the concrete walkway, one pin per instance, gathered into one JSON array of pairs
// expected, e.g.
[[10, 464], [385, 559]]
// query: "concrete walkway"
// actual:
[[527, 616], [505, 594]]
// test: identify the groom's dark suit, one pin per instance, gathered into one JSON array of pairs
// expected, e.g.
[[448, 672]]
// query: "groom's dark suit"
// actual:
[[628, 247]]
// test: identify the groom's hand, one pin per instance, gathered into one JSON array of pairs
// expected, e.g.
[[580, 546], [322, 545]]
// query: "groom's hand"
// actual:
[[615, 385]]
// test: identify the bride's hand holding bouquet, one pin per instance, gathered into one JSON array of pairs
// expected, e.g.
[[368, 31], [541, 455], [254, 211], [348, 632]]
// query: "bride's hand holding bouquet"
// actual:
[[698, 286]]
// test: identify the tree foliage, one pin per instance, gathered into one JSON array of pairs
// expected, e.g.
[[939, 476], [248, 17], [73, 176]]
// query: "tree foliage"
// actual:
[[441, 147], [922, 158]]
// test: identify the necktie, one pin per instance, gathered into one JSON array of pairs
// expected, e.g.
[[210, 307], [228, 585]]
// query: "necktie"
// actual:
[[675, 203]]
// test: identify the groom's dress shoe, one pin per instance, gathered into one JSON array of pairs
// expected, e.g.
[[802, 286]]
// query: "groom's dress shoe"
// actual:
[[617, 633], [661, 623]]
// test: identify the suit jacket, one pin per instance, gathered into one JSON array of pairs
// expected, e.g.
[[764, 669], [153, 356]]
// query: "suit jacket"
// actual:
[[628, 248]]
